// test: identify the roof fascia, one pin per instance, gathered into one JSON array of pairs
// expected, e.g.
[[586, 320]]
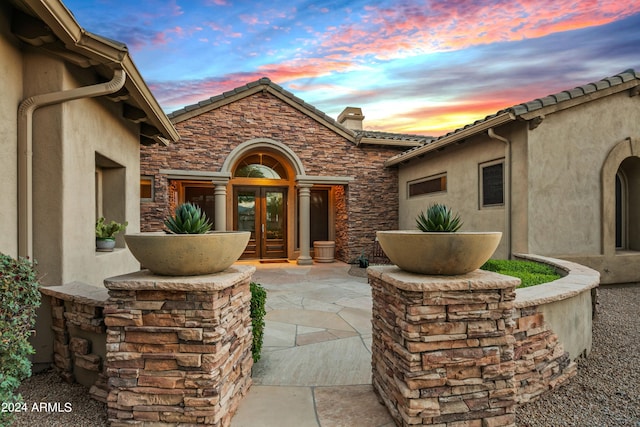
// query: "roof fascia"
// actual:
[[205, 106], [390, 142], [445, 141]]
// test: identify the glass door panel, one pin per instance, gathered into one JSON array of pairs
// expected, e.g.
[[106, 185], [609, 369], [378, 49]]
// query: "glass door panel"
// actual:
[[274, 223], [262, 211], [246, 219]]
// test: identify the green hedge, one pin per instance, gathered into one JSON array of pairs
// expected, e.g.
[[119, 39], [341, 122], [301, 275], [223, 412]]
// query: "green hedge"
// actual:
[[258, 301], [19, 300], [530, 273]]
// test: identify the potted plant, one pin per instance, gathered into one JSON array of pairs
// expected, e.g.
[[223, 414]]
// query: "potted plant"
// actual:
[[106, 234], [187, 247], [437, 247]]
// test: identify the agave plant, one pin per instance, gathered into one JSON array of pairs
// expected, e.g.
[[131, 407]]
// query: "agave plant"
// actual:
[[438, 218], [188, 219]]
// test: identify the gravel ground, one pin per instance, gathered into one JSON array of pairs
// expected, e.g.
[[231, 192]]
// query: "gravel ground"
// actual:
[[606, 391]]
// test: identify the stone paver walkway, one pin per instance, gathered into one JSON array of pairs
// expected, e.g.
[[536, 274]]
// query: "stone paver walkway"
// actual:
[[315, 368]]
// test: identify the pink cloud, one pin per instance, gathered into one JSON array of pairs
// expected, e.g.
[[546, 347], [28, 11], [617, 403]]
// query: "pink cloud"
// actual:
[[407, 29]]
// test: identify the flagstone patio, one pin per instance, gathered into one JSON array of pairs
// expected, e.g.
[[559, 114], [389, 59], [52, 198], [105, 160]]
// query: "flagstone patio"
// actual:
[[315, 368]]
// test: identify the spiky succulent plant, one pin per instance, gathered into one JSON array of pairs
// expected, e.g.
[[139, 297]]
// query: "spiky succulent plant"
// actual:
[[188, 219], [438, 218]]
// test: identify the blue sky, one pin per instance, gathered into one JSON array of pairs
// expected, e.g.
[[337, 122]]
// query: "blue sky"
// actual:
[[424, 67]]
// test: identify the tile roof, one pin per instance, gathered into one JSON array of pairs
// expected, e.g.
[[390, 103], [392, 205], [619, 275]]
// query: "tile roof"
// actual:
[[393, 136], [511, 113]]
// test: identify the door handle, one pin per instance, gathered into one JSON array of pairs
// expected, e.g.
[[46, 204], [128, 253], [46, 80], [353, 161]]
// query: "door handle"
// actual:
[[262, 226]]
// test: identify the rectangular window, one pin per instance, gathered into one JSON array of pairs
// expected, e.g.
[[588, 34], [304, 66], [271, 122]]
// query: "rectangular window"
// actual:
[[492, 183], [146, 189], [319, 215], [203, 195], [432, 184]]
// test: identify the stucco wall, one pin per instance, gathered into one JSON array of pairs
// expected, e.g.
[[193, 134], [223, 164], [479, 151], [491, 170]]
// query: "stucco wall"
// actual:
[[206, 140], [566, 154], [11, 89], [66, 139], [461, 164]]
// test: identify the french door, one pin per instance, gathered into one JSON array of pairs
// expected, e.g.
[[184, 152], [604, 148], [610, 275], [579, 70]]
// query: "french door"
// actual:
[[263, 212]]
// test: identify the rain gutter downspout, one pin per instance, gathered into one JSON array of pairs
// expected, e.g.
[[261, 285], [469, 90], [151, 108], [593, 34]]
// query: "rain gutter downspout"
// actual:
[[25, 148], [507, 192]]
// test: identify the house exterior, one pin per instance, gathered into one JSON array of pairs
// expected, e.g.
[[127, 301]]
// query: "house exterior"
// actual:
[[75, 111], [559, 176], [259, 159]]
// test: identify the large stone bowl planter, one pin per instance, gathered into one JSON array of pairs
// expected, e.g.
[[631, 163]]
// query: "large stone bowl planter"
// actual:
[[187, 254], [438, 253]]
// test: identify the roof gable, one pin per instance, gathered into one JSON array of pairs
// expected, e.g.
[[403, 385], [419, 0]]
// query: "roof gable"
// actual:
[[263, 84]]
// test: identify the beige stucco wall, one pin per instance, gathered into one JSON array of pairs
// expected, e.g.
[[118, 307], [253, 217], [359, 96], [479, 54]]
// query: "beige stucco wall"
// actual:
[[11, 89], [566, 154], [66, 139], [461, 164]]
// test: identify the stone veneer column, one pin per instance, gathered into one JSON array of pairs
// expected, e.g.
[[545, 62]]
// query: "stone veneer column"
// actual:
[[442, 351], [178, 348], [305, 223]]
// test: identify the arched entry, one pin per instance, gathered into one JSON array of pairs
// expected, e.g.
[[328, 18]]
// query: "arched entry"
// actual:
[[261, 181]]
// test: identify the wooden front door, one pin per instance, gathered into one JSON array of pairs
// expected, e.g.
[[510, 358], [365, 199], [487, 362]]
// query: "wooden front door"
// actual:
[[263, 212]]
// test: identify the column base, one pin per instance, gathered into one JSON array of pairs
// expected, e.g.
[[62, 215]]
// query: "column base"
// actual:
[[304, 260]]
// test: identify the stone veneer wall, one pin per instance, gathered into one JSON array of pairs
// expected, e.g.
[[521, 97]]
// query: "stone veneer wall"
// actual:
[[447, 351], [371, 199], [178, 349], [79, 335], [541, 362]]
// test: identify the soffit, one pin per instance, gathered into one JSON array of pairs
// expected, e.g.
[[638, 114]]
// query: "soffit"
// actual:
[[49, 26]]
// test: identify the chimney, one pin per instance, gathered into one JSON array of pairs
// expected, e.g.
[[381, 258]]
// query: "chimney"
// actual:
[[351, 118]]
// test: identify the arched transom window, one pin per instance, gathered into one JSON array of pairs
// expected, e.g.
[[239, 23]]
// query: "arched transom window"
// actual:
[[260, 165]]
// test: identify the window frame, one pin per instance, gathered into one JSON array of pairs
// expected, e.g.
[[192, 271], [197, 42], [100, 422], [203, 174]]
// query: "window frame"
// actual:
[[442, 177], [152, 184], [481, 184]]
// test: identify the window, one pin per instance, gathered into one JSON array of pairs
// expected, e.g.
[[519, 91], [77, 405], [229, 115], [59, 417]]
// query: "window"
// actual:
[[319, 215], [110, 192], [146, 189], [432, 184], [260, 165], [199, 193], [492, 184]]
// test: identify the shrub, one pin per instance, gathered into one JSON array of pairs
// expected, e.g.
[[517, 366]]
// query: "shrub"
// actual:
[[258, 301], [530, 273], [19, 300]]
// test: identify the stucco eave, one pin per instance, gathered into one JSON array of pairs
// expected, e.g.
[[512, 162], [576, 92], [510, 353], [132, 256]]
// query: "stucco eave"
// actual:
[[100, 52], [452, 138]]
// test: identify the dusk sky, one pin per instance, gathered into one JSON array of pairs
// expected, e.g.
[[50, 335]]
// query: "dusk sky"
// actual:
[[423, 67]]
